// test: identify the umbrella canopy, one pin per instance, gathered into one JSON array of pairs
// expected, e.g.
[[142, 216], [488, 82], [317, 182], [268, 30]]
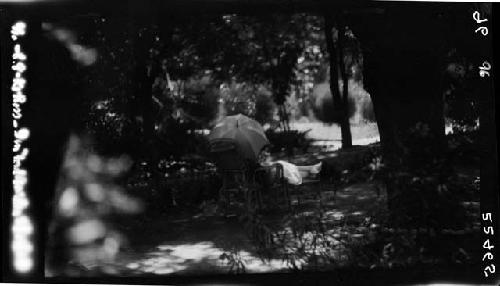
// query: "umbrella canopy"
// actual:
[[247, 133]]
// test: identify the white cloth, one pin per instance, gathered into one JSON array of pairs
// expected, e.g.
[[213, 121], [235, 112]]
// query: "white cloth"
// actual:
[[291, 173]]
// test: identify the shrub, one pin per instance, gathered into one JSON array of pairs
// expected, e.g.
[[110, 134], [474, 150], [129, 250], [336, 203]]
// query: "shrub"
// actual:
[[201, 105], [289, 141], [264, 108], [359, 103], [421, 186]]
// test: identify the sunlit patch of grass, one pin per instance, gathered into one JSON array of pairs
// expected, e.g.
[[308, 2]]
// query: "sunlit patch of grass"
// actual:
[[331, 132]]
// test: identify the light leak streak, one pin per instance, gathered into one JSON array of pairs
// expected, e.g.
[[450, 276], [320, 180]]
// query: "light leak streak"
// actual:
[[22, 227]]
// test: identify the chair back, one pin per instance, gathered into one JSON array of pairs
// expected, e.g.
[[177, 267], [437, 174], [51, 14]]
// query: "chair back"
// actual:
[[225, 153], [235, 171]]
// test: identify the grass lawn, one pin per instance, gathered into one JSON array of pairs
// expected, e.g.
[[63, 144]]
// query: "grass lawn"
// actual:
[[328, 137]]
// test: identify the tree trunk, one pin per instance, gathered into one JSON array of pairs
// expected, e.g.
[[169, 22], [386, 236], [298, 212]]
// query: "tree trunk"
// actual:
[[344, 120], [340, 104], [144, 77], [142, 19], [284, 118], [332, 59], [402, 74]]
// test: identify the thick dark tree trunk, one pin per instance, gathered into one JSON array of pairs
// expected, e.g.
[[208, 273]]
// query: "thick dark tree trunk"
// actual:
[[402, 74], [51, 112], [402, 48]]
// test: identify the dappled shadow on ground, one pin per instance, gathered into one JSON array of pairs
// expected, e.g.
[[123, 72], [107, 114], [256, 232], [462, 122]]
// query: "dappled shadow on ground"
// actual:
[[200, 257], [197, 243]]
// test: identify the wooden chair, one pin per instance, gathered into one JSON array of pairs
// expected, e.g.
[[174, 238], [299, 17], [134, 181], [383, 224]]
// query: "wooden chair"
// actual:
[[234, 170], [307, 182], [271, 179], [278, 183], [299, 190]]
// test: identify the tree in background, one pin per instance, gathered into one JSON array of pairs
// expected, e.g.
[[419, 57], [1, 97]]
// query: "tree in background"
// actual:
[[252, 100], [337, 63], [264, 51], [111, 115], [345, 127]]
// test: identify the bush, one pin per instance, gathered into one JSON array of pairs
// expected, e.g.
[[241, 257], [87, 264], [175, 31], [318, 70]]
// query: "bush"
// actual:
[[463, 147], [421, 189], [359, 103], [289, 141], [201, 105], [186, 182]]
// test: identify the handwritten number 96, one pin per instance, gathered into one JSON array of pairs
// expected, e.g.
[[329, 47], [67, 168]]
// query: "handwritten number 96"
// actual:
[[484, 70]]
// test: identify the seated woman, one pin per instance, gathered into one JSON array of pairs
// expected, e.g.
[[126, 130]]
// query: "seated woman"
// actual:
[[294, 174]]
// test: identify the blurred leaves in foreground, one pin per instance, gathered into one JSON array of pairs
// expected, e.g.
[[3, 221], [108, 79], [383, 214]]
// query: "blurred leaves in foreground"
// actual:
[[82, 239]]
